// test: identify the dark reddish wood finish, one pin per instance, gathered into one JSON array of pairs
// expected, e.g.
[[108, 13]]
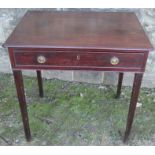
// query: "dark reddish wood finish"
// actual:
[[22, 102], [94, 36], [119, 86], [133, 102], [94, 60], [94, 30], [40, 83]]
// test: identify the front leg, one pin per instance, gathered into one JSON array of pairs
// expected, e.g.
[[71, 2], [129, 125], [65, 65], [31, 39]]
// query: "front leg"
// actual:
[[22, 102], [133, 102]]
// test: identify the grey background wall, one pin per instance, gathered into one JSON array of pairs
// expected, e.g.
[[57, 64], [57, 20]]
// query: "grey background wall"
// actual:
[[9, 18]]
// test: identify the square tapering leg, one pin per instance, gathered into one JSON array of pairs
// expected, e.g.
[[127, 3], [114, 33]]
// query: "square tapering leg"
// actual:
[[22, 102], [40, 83], [119, 85], [133, 102]]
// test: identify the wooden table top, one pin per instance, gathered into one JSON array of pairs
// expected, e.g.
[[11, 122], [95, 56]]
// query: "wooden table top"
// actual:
[[80, 30]]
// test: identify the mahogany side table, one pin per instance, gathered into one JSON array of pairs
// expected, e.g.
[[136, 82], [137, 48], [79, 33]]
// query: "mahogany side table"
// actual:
[[108, 41]]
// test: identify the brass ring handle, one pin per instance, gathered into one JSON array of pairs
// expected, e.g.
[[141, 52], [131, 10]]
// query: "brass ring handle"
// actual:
[[41, 59], [114, 60]]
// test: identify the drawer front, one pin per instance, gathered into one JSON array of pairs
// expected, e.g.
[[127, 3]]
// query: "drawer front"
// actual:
[[79, 59]]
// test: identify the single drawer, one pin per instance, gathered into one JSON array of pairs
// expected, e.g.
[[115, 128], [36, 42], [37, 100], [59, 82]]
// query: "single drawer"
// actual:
[[79, 59]]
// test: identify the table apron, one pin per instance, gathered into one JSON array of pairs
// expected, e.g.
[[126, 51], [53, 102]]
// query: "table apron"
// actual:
[[71, 60]]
